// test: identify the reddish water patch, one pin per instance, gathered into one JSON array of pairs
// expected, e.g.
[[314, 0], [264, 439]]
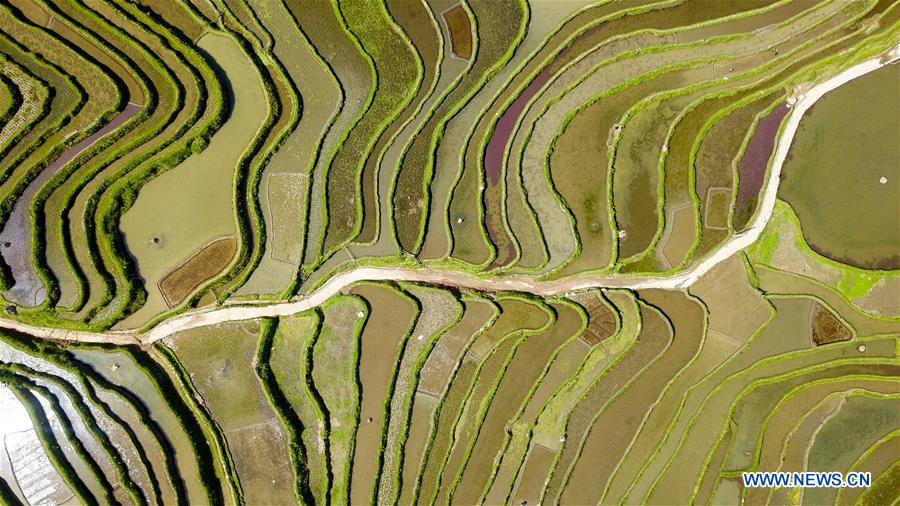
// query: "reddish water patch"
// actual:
[[28, 290], [753, 165], [493, 155]]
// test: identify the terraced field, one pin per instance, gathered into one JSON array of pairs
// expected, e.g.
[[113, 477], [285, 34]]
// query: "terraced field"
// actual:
[[429, 251]]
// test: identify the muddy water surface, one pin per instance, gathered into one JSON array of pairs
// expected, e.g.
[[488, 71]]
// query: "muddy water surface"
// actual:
[[15, 238]]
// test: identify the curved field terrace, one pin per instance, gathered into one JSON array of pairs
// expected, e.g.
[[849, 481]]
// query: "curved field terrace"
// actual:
[[273, 252]]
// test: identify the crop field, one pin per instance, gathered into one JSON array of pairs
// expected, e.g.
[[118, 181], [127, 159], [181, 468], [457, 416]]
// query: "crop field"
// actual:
[[273, 252]]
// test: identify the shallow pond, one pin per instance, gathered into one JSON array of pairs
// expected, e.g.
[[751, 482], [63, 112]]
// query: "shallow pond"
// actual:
[[842, 172]]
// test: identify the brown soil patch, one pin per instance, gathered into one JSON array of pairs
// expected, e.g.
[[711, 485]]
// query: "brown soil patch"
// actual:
[[826, 328], [206, 263], [460, 29], [601, 323]]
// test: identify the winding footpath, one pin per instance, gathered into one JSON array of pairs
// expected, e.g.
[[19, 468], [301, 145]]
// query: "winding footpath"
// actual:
[[211, 316]]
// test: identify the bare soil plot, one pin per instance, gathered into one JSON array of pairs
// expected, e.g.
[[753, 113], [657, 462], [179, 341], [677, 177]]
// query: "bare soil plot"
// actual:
[[32, 95], [826, 327], [457, 20], [736, 308], [287, 195], [201, 266], [881, 299], [679, 235]]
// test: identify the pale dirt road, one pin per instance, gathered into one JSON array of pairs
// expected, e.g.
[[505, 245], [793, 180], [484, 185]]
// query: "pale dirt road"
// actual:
[[203, 317]]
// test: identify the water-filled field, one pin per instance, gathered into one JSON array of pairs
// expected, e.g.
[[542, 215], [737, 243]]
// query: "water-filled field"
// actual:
[[847, 142]]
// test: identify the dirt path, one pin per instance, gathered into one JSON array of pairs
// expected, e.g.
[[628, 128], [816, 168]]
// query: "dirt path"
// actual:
[[333, 286]]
